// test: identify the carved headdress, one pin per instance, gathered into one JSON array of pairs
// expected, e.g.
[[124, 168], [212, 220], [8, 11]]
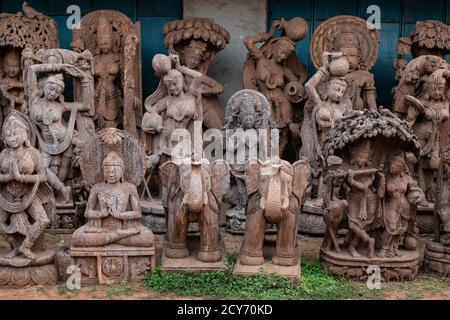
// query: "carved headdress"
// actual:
[[346, 32]]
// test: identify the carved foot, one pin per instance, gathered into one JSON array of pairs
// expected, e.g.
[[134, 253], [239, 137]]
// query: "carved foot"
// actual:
[[27, 252], [382, 253], [251, 261], [353, 252], [210, 256], [66, 193], [397, 252], [177, 253], [283, 261]]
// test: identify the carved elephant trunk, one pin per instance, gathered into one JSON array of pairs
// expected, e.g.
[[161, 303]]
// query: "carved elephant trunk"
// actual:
[[195, 193], [273, 212]]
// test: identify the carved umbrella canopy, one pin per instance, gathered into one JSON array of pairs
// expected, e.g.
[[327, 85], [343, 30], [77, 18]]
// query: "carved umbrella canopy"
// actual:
[[125, 54]]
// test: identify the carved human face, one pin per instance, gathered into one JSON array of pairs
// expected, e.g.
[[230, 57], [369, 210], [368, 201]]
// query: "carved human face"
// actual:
[[192, 57], [15, 136], [283, 51], [351, 55], [248, 121], [336, 91], [396, 166], [112, 173], [436, 90], [11, 66], [105, 43], [52, 90], [173, 82], [361, 156]]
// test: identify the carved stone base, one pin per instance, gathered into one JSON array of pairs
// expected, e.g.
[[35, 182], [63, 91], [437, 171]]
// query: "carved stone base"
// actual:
[[343, 264], [291, 272], [21, 271], [67, 218], [425, 218], [153, 215], [113, 263], [437, 258], [192, 263], [311, 219], [235, 222]]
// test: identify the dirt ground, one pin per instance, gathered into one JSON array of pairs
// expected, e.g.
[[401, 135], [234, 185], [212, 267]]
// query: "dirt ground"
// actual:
[[424, 287]]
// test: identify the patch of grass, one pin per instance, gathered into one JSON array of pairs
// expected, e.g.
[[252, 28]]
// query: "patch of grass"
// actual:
[[316, 284], [63, 290], [122, 289]]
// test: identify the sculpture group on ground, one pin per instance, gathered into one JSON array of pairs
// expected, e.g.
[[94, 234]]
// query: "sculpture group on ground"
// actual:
[[289, 152]]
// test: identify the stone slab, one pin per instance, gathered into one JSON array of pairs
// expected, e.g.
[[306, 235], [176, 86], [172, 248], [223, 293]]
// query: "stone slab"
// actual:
[[191, 263]]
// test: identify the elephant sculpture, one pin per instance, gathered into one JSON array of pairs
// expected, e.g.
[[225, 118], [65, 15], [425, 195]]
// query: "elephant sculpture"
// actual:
[[194, 191], [276, 192]]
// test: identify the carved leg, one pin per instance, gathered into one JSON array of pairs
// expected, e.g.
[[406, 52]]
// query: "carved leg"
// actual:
[[41, 221], [252, 245], [209, 236], [15, 243], [177, 228], [286, 240], [361, 234], [65, 165]]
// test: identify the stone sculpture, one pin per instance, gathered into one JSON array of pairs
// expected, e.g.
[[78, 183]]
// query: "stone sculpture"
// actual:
[[197, 41], [195, 190], [174, 106], [115, 43], [437, 252], [26, 202], [359, 46], [371, 192], [351, 84], [248, 125], [274, 70], [58, 140], [18, 33], [276, 192], [113, 244]]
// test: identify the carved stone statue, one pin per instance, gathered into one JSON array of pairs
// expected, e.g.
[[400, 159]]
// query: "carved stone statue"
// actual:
[[58, 139], [25, 199], [359, 45], [274, 70], [248, 120], [19, 32], [115, 43], [323, 112], [422, 100], [276, 191], [174, 106], [197, 41], [195, 190], [428, 38], [113, 244], [371, 192], [437, 251]]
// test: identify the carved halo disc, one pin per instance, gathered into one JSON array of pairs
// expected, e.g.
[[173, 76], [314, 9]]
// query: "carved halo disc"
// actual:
[[322, 39]]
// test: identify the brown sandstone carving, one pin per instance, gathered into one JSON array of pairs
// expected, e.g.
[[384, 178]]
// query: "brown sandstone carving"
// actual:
[[248, 114], [60, 141], [274, 70], [175, 105], [26, 203], [276, 191], [195, 191], [113, 244], [197, 41], [371, 192], [115, 43], [19, 33]]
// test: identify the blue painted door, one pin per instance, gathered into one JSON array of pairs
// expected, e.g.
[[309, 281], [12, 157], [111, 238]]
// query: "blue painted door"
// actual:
[[152, 14], [398, 18]]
